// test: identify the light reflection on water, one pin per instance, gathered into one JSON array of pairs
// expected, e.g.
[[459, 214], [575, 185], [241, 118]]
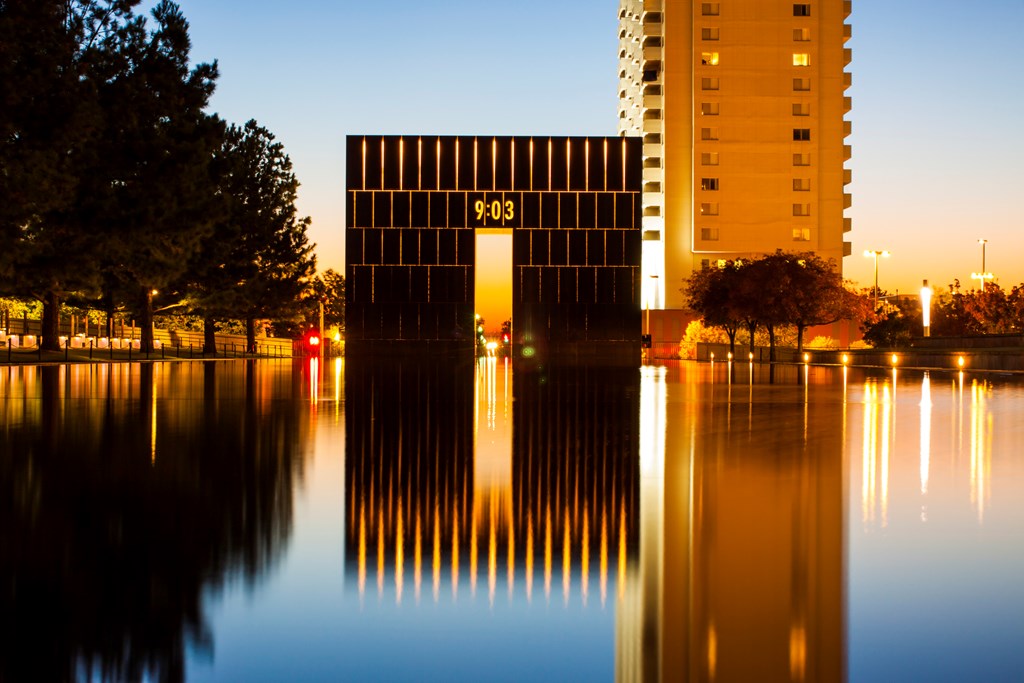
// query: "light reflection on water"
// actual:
[[437, 520]]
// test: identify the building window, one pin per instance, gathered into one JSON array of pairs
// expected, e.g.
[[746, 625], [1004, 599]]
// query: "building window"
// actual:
[[801, 234], [801, 10], [705, 263], [801, 159], [709, 9], [709, 58], [709, 158], [709, 184], [709, 108], [801, 35], [709, 34], [801, 184], [709, 234], [801, 84], [801, 59], [801, 209], [801, 109], [711, 84], [709, 209], [708, 133], [802, 134]]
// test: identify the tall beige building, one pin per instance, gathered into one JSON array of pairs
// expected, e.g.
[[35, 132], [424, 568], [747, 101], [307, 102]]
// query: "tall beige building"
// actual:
[[741, 104]]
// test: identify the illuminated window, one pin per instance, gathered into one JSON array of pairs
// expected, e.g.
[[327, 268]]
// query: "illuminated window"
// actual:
[[709, 184], [712, 84], [801, 184], [801, 35], [801, 84], [721, 263], [709, 58], [709, 108], [801, 234], [709, 9], [801, 10], [708, 133], [801, 59], [802, 134], [709, 209], [709, 34], [709, 158], [709, 234], [801, 159], [801, 109], [801, 209]]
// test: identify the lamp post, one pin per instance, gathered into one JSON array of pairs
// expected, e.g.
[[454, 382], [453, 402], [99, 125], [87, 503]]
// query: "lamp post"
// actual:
[[875, 253], [926, 308], [984, 274]]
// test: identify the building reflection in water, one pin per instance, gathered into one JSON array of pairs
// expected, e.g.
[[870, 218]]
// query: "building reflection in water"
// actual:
[[740, 572], [461, 482], [131, 494]]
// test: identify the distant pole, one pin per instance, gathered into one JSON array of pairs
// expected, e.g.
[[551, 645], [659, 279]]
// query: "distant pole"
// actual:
[[321, 303], [875, 253], [984, 275]]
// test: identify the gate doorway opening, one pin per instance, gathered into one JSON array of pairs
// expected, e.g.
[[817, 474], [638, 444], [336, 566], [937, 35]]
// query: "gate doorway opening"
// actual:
[[493, 289]]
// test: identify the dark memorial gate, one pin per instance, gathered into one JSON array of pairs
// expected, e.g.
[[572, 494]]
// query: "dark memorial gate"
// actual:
[[572, 204]]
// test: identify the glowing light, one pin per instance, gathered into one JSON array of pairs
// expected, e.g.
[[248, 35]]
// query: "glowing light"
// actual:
[[807, 358], [894, 359], [712, 356], [750, 356], [846, 358], [926, 307], [314, 340], [729, 356], [960, 361]]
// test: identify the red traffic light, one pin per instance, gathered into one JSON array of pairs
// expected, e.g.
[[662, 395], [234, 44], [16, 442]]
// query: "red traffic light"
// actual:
[[504, 339], [313, 339]]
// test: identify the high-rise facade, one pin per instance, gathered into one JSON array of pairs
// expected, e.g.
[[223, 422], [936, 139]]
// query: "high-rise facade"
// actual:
[[741, 105]]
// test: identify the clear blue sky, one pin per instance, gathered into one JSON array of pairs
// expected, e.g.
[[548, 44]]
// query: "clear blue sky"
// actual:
[[938, 104]]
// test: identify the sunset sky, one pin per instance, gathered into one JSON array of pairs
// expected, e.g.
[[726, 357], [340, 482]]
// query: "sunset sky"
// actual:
[[938, 148]]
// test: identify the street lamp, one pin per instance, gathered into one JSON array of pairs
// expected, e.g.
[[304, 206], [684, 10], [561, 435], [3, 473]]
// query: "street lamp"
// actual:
[[984, 274], [875, 253], [926, 308]]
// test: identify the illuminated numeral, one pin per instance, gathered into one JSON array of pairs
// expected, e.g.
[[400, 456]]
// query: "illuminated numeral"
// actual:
[[496, 210], [509, 210], [479, 206]]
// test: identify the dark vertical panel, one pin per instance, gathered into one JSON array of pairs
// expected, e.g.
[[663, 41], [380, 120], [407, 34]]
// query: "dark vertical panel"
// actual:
[[634, 249], [465, 179], [605, 210], [392, 247], [567, 202], [418, 283], [577, 248], [623, 285], [539, 247], [410, 164], [559, 172], [354, 245], [363, 202], [484, 168], [428, 247], [567, 285], [578, 164], [438, 209], [446, 252], [457, 210], [401, 284], [549, 285], [420, 210], [587, 211], [549, 211], [614, 245], [605, 286], [428, 170], [586, 278], [373, 162], [400, 209], [521, 171], [595, 165], [372, 245], [614, 168], [595, 247], [350, 209], [353, 162], [539, 167], [446, 179], [382, 209], [624, 210], [634, 164], [530, 210], [530, 282], [410, 247], [467, 247], [559, 248], [521, 247], [391, 167], [438, 284]]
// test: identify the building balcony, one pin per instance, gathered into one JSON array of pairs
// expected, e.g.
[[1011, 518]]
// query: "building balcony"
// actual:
[[847, 79], [847, 200], [847, 152], [847, 176], [847, 128], [847, 224], [847, 56], [653, 101], [847, 32], [654, 174], [652, 54], [847, 248], [847, 8], [652, 151], [652, 199], [847, 105], [652, 126]]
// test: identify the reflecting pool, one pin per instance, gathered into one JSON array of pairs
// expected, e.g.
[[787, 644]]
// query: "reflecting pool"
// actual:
[[452, 520]]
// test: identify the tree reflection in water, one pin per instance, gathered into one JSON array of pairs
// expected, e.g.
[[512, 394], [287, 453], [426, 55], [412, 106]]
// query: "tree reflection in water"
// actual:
[[127, 494]]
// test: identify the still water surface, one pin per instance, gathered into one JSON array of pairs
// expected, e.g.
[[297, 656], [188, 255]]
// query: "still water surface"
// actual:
[[264, 521]]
